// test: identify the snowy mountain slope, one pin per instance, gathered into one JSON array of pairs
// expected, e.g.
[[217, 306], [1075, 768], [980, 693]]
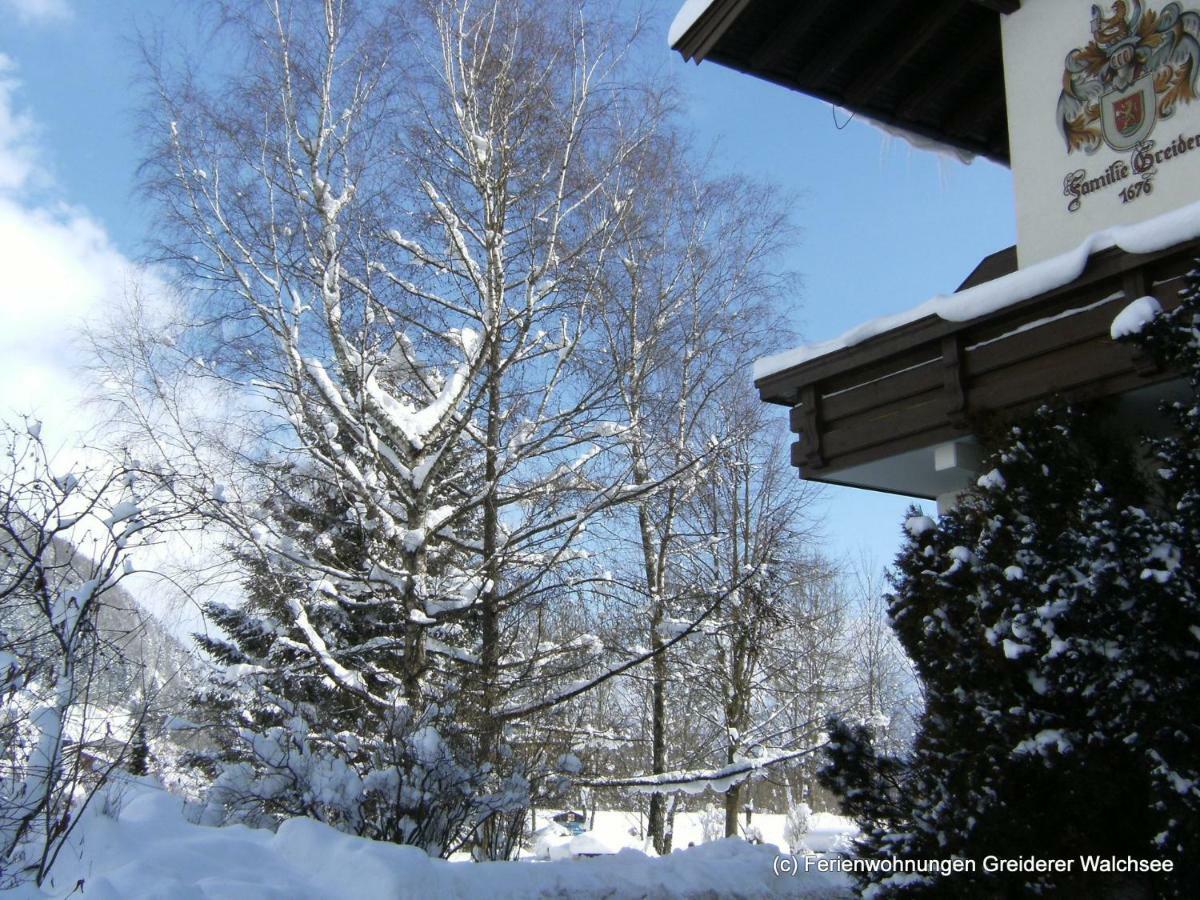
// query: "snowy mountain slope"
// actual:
[[140, 662]]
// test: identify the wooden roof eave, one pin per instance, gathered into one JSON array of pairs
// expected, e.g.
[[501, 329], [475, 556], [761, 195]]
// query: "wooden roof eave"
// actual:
[[866, 414], [695, 43], [704, 33], [784, 387], [703, 40]]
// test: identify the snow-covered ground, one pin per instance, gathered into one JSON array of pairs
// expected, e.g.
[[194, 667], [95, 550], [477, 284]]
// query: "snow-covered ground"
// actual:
[[615, 830], [148, 850]]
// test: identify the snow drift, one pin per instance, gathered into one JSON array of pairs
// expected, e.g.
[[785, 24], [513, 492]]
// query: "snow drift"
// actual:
[[147, 850]]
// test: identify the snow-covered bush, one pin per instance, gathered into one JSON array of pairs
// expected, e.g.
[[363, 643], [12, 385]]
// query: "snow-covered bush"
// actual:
[[796, 824], [1053, 620], [64, 545], [712, 823], [407, 786]]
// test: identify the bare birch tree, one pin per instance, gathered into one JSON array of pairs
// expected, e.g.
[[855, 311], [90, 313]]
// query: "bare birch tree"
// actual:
[[757, 516], [698, 276], [394, 222]]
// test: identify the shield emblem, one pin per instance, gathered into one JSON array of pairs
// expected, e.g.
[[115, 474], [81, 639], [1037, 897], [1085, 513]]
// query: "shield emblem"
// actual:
[[1128, 113], [1127, 117]]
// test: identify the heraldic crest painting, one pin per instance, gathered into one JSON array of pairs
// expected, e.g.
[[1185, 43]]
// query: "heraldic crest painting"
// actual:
[[1139, 66]]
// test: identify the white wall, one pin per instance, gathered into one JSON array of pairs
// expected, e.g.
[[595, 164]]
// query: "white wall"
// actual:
[[1037, 40]]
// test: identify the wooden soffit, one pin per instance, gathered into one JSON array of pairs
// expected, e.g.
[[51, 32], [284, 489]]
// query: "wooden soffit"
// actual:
[[930, 67]]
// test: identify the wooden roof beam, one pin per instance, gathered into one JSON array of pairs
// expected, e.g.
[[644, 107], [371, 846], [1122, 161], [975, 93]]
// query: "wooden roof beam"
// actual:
[[965, 57], [982, 106], [722, 15], [788, 34], [836, 51], [979, 148], [866, 83]]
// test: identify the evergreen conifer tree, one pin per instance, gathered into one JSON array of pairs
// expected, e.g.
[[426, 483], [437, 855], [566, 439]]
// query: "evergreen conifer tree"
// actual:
[[289, 741], [139, 752], [1054, 620]]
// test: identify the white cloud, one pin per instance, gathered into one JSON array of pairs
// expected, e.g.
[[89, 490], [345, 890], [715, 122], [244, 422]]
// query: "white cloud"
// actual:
[[58, 267], [59, 271], [16, 134], [37, 11]]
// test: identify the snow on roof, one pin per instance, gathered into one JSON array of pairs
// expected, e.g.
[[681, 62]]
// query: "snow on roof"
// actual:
[[1150, 236], [686, 18]]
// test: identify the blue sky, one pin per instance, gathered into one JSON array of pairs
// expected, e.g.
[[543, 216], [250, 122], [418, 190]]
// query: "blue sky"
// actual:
[[884, 226]]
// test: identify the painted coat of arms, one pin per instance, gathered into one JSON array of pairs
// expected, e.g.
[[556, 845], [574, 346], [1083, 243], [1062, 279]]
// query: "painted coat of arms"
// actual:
[[1138, 68]]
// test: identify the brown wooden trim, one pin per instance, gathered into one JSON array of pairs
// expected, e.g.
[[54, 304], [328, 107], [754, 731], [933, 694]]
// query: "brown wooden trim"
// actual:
[[860, 56], [1052, 337], [833, 54], [697, 42], [917, 384], [1107, 264], [880, 392], [965, 62], [884, 426], [872, 350], [727, 14], [806, 422], [987, 150], [953, 378], [999, 326], [979, 104], [1050, 374]]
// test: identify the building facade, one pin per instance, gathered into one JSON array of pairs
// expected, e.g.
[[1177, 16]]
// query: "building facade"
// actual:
[[1096, 108]]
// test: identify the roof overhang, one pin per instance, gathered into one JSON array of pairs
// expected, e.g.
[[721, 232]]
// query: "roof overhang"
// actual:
[[875, 413], [932, 68]]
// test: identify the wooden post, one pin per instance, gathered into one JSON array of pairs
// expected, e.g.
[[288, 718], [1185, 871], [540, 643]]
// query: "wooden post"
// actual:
[[953, 380], [806, 422]]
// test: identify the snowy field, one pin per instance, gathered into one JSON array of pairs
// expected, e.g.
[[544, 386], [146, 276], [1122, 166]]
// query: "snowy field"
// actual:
[[149, 851], [615, 830]]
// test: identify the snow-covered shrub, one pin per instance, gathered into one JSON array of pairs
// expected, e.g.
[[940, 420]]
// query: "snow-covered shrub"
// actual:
[[406, 786], [1053, 620], [712, 823], [64, 544], [796, 824]]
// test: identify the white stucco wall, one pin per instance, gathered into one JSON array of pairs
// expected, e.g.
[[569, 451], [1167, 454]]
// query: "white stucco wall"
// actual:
[[1114, 186]]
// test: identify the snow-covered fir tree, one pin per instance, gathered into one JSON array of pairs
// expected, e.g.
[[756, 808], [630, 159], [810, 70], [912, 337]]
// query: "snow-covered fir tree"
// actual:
[[1054, 621], [287, 740], [395, 225]]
